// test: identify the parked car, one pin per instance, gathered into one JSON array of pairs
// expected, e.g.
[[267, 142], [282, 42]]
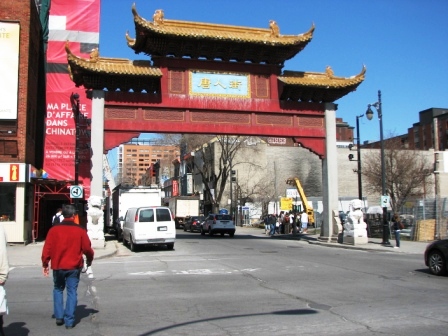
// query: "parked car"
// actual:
[[149, 226], [193, 223], [218, 223], [436, 256]]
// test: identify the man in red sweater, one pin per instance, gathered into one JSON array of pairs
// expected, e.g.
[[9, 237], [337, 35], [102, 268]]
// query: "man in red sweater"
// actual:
[[64, 246]]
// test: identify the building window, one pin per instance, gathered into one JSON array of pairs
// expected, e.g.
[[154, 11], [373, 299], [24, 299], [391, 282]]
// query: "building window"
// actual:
[[7, 201]]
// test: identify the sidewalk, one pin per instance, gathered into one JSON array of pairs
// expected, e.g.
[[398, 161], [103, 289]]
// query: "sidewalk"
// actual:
[[374, 244], [29, 255]]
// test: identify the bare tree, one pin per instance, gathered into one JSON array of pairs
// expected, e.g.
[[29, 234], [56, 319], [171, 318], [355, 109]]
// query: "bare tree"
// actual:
[[407, 171], [264, 192], [169, 139], [217, 159]]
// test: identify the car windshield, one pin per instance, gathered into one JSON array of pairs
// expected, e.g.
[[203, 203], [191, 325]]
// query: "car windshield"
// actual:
[[197, 218]]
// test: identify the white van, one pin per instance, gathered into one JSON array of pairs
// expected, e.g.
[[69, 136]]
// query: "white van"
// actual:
[[152, 225]]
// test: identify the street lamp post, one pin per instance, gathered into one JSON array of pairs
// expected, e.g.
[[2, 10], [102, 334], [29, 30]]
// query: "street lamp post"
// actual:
[[369, 115], [231, 187], [358, 149]]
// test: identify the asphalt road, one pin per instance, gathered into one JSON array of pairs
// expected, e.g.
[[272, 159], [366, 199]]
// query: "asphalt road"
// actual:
[[240, 286]]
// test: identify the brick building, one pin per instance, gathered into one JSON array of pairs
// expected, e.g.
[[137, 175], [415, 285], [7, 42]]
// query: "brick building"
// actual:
[[22, 113], [344, 132], [421, 135], [135, 162]]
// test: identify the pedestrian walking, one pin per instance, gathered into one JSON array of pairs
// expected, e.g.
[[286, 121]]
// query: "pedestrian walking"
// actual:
[[64, 247], [291, 222], [304, 221], [4, 271], [57, 218], [277, 223], [267, 224], [273, 224], [397, 226]]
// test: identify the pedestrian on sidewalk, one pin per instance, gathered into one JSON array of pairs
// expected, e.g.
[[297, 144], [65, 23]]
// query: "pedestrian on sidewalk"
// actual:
[[304, 221], [292, 220], [397, 226], [273, 221], [57, 218], [267, 224], [279, 220], [4, 271], [64, 247]]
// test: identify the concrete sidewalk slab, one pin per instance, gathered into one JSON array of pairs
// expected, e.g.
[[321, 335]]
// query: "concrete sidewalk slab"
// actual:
[[373, 244], [29, 255]]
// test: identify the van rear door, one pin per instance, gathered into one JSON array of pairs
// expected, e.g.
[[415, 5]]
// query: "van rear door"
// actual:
[[165, 222], [154, 225]]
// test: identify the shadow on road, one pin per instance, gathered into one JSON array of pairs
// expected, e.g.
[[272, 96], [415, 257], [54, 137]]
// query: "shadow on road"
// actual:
[[280, 312]]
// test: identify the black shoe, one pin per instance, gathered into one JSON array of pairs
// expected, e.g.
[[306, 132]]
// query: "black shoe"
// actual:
[[59, 322], [68, 327]]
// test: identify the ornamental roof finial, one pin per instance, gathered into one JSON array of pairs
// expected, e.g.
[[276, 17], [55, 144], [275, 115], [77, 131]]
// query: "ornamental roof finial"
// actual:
[[158, 17], [275, 30]]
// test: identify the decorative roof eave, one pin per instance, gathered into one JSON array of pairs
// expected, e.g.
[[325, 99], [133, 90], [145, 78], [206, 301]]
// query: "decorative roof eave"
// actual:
[[105, 68], [318, 87], [319, 79], [198, 31], [115, 66]]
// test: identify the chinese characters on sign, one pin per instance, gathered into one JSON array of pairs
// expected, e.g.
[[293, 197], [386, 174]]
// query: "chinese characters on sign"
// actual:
[[277, 141], [219, 84]]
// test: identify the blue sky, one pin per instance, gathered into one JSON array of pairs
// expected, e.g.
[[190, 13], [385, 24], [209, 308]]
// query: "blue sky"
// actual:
[[403, 44]]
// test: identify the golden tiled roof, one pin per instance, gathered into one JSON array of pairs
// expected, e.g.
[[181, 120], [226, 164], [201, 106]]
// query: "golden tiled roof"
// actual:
[[111, 73], [117, 66], [318, 87], [196, 34], [319, 79]]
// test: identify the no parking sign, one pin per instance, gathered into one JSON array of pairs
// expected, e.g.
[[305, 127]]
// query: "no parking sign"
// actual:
[[76, 191]]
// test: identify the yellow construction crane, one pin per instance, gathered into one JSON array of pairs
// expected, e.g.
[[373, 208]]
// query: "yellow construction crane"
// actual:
[[309, 210]]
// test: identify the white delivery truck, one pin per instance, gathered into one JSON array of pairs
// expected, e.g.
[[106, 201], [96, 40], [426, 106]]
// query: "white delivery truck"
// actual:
[[124, 198], [183, 207]]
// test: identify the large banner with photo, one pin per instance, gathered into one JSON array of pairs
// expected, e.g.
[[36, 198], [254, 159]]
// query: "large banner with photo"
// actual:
[[78, 23]]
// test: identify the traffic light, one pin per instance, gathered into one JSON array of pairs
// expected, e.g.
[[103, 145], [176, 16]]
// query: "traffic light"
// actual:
[[351, 146], [233, 177], [351, 157]]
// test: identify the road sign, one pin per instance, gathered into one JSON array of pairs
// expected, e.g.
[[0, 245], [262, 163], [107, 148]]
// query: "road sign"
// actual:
[[385, 201], [76, 191]]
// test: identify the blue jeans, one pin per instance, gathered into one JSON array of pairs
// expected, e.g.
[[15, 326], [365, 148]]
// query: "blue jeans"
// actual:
[[61, 280], [397, 237], [272, 229]]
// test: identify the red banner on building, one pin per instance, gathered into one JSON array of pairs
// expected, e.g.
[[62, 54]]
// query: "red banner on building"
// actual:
[[78, 22], [175, 188]]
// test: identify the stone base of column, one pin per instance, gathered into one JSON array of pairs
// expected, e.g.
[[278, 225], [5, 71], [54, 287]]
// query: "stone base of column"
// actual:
[[356, 240], [98, 243]]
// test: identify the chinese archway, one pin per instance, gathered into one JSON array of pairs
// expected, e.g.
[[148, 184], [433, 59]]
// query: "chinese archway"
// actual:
[[212, 79]]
